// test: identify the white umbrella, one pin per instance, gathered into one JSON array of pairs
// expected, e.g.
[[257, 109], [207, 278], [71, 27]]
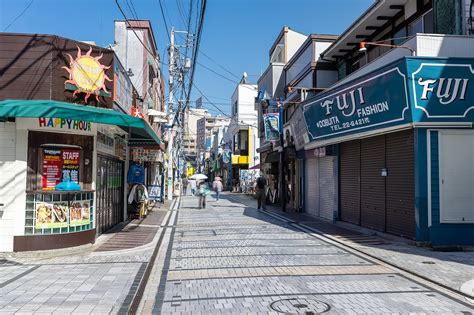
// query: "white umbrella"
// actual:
[[198, 176]]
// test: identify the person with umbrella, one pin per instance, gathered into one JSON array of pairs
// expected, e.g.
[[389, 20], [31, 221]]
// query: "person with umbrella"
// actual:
[[217, 186], [203, 190]]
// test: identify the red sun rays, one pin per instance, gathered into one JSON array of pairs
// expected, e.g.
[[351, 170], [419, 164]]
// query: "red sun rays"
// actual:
[[75, 64]]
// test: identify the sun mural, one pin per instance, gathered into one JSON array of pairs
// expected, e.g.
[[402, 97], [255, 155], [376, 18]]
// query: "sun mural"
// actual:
[[87, 74]]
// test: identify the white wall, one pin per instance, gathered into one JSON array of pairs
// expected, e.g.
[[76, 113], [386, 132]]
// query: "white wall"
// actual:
[[12, 183], [319, 48], [294, 42], [246, 103]]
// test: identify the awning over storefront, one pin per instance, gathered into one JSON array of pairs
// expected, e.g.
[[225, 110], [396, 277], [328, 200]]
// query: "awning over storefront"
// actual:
[[273, 157], [53, 109]]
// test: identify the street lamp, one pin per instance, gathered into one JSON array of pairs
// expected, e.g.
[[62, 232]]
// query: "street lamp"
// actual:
[[362, 47]]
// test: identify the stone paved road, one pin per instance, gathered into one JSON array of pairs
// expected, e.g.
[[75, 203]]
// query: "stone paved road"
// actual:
[[229, 258], [95, 280]]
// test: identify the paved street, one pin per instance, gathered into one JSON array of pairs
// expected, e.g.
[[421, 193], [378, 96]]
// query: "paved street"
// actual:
[[230, 258]]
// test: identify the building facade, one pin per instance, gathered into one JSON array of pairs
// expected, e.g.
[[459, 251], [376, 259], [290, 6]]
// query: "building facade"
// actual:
[[57, 121], [399, 120]]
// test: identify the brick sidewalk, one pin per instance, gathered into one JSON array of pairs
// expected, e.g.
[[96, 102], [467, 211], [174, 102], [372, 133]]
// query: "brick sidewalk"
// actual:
[[449, 269], [137, 232]]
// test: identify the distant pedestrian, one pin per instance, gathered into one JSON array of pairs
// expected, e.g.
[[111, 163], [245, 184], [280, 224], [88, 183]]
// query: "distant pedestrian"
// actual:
[[203, 191], [217, 187], [260, 191], [185, 185], [192, 183]]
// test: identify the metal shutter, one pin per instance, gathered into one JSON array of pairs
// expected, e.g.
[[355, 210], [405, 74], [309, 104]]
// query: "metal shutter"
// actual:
[[312, 187], [327, 187], [349, 174], [400, 198], [372, 187]]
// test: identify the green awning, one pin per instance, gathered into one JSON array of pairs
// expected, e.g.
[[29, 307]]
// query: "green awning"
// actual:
[[50, 109]]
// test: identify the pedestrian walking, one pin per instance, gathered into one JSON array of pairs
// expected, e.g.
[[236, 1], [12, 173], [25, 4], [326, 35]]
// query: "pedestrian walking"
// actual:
[[192, 183], [185, 182], [261, 183], [203, 191], [217, 187]]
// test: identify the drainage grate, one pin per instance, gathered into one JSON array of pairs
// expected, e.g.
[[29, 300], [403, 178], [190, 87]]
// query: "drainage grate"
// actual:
[[300, 306], [428, 262]]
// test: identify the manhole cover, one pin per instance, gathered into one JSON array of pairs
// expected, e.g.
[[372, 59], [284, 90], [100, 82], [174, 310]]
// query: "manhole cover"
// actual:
[[300, 306]]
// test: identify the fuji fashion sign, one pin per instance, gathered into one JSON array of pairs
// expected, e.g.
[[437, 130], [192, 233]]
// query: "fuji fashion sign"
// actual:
[[442, 89]]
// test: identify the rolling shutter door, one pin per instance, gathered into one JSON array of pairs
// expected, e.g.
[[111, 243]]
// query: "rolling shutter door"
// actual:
[[400, 199], [349, 174], [372, 188], [327, 187], [312, 189]]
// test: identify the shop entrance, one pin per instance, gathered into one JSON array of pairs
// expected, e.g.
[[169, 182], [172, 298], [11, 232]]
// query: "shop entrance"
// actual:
[[377, 183], [110, 178]]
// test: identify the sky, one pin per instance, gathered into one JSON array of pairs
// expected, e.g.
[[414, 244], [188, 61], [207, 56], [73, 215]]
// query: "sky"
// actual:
[[237, 34]]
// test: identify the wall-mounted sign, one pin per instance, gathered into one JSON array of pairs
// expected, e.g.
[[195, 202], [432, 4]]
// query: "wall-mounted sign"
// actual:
[[137, 113], [87, 75], [377, 102], [51, 168], [61, 123], [271, 122], [70, 169], [442, 88]]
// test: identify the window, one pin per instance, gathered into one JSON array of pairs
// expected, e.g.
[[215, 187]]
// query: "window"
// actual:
[[278, 53], [341, 71], [241, 143], [399, 37]]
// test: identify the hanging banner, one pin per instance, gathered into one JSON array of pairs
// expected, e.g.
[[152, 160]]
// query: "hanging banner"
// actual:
[[272, 126], [226, 155], [51, 168], [71, 159]]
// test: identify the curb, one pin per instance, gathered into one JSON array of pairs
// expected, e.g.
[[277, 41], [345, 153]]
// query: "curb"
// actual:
[[136, 300]]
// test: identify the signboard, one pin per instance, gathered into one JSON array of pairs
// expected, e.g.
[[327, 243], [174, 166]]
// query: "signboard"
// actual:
[[51, 168], [51, 215], [154, 192], [377, 102], [66, 124], [442, 89], [226, 156], [271, 122], [137, 113], [79, 213], [87, 75], [70, 169]]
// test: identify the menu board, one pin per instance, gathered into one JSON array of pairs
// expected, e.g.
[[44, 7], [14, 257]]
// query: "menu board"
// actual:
[[79, 213], [51, 215], [51, 168], [58, 165], [70, 162]]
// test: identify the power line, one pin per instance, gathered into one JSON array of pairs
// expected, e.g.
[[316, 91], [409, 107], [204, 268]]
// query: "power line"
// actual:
[[19, 15], [221, 66], [164, 20], [133, 29]]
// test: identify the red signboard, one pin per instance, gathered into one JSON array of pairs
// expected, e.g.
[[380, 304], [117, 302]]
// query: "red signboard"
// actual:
[[51, 168], [70, 169], [137, 113]]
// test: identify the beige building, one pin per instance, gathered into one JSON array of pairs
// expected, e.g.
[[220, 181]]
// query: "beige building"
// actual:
[[192, 117]]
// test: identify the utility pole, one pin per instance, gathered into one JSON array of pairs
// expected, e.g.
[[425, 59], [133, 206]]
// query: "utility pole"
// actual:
[[170, 154]]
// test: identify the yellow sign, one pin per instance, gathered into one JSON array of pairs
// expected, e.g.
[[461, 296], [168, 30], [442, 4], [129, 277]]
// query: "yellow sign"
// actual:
[[87, 74]]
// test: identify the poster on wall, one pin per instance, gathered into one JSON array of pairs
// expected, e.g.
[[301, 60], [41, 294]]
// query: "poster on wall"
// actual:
[[51, 168], [70, 169], [272, 126], [51, 215], [79, 213]]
